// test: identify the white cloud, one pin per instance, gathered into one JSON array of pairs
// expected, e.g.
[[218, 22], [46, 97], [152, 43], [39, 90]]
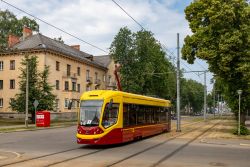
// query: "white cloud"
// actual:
[[98, 21]]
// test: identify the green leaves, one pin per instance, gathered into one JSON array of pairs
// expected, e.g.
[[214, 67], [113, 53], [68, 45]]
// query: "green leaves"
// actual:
[[39, 88], [144, 68], [9, 24], [221, 37]]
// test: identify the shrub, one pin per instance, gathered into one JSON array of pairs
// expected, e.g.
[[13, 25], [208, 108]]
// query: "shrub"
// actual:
[[243, 130]]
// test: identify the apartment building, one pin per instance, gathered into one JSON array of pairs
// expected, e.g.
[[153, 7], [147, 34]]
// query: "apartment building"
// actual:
[[72, 71]]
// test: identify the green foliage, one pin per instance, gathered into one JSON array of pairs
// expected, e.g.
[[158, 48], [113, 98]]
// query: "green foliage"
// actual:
[[46, 97], [9, 24], [243, 130], [221, 37], [144, 68], [39, 89], [192, 95]]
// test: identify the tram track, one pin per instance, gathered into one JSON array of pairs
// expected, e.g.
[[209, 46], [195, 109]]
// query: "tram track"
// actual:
[[161, 143], [28, 160], [49, 155]]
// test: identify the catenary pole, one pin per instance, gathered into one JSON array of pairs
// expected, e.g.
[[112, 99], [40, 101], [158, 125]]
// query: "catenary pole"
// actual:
[[205, 95], [27, 94], [178, 129]]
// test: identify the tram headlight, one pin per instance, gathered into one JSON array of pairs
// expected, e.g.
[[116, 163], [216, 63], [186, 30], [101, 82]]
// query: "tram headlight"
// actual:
[[98, 130]]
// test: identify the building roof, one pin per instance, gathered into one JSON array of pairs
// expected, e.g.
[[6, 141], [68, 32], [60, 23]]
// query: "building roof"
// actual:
[[104, 59], [39, 41]]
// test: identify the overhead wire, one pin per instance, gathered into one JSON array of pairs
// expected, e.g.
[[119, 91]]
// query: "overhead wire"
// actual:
[[164, 46], [54, 26]]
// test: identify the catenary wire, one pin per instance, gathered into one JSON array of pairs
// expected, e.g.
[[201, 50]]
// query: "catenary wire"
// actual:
[[54, 26]]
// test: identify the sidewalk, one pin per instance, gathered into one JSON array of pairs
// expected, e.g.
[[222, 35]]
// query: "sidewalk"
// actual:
[[14, 128]]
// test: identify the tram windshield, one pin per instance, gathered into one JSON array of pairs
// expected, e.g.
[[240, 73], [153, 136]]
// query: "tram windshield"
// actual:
[[90, 111]]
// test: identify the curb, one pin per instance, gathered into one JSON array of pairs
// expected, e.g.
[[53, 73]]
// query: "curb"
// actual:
[[21, 129]]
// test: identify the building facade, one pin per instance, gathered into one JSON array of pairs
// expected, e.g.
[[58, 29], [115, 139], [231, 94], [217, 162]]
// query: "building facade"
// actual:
[[72, 72]]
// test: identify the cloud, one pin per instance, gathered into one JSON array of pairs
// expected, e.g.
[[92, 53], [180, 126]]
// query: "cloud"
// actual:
[[98, 21]]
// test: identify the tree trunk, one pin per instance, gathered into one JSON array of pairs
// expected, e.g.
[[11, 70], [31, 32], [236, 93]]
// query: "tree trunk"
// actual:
[[33, 117]]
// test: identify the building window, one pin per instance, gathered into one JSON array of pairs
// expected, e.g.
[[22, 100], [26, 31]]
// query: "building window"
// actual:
[[57, 103], [1, 84], [1, 102], [78, 71], [88, 88], [66, 85], [78, 87], [104, 78], [57, 66], [73, 86], [109, 79], [73, 105], [66, 103], [57, 85], [12, 64], [96, 75], [12, 100], [68, 69], [12, 84], [87, 75], [1, 65]]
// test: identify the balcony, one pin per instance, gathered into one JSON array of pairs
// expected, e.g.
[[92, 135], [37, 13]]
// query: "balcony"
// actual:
[[89, 80], [111, 84], [69, 75], [97, 82]]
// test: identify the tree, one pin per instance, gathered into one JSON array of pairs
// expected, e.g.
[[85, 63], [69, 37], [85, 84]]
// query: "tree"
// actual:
[[9, 24], [18, 104], [39, 89], [47, 98], [144, 67], [192, 94], [221, 37]]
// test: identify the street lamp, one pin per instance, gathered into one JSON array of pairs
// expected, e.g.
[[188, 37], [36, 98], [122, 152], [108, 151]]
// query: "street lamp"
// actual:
[[239, 92], [27, 94], [43, 46]]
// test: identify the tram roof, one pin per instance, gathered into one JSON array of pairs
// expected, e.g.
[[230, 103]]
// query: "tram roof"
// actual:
[[136, 98]]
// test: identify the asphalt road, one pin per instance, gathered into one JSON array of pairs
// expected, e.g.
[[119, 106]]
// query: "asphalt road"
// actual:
[[57, 147]]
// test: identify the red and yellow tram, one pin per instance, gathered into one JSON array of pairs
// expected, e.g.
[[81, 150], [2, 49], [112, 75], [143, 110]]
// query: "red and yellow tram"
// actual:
[[111, 117]]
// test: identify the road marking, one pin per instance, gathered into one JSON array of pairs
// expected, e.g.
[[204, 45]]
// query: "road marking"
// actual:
[[243, 144], [17, 154]]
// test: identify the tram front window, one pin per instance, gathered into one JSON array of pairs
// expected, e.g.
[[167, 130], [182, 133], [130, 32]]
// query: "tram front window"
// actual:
[[110, 115], [90, 111]]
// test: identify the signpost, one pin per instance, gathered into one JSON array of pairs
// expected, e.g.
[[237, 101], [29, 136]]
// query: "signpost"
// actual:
[[36, 103]]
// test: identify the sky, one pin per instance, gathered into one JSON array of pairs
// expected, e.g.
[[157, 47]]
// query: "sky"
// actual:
[[98, 21]]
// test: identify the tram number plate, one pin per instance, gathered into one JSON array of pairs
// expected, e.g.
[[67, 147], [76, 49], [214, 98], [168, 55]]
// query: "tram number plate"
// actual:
[[89, 121]]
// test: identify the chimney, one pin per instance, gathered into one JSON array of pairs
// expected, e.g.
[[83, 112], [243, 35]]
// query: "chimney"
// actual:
[[77, 47], [26, 32], [12, 40]]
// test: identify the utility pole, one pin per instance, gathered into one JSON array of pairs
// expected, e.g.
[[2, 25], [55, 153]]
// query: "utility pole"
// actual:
[[214, 102], [27, 94], [218, 104], [205, 95], [178, 128]]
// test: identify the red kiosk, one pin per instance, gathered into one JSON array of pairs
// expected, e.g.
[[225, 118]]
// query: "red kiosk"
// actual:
[[42, 118]]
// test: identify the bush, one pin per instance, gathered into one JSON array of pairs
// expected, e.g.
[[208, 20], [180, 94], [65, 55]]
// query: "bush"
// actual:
[[243, 130]]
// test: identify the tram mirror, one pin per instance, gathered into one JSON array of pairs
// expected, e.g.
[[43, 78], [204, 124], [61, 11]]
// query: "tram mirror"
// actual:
[[110, 104], [70, 105]]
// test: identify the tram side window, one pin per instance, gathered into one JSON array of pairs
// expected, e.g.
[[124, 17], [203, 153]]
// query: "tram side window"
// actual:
[[141, 114], [110, 116], [125, 116]]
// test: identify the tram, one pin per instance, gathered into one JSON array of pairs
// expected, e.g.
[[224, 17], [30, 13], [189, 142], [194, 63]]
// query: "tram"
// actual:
[[111, 117]]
